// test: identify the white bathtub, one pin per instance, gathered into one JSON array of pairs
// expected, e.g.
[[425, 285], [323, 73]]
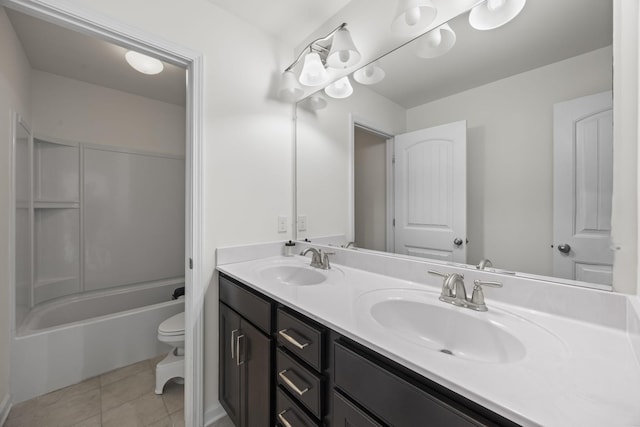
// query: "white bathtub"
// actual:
[[71, 339]]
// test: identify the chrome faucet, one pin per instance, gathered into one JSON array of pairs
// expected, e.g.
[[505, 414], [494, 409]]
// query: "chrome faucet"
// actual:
[[454, 291], [319, 259], [484, 263], [349, 245]]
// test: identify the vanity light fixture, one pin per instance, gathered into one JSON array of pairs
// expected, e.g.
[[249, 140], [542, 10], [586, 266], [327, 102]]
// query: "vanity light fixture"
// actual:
[[143, 63], [413, 16], [436, 42], [290, 90], [341, 88], [370, 74], [494, 13], [335, 50], [317, 102]]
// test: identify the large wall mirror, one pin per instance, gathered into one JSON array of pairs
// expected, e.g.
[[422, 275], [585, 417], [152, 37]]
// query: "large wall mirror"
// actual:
[[483, 136]]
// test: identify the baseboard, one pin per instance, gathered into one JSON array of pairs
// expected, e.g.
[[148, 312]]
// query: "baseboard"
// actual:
[[213, 414], [5, 407]]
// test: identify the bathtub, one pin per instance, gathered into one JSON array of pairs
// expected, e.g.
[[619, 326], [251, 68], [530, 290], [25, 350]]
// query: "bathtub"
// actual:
[[71, 339]]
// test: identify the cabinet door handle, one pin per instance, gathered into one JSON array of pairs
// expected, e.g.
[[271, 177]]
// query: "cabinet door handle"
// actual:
[[290, 383], [292, 340], [233, 342], [283, 420], [238, 361]]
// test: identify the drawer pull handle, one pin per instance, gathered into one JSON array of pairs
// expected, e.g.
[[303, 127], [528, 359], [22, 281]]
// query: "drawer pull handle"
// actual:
[[238, 361], [283, 420], [292, 340], [233, 344], [290, 383]]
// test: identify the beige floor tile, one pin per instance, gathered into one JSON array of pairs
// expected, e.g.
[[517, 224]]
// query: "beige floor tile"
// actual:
[[69, 392], [142, 411], [24, 410], [124, 372], [173, 396], [165, 422], [91, 422], [25, 420], [70, 410], [127, 389], [177, 418]]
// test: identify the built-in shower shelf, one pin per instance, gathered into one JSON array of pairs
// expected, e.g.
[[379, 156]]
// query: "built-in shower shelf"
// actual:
[[55, 280], [49, 204]]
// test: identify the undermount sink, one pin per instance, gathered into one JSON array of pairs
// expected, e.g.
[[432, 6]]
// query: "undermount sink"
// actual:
[[292, 275], [418, 316]]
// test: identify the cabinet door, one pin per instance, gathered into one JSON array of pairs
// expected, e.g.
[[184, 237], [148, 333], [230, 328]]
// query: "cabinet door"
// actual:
[[229, 372], [346, 414], [255, 375]]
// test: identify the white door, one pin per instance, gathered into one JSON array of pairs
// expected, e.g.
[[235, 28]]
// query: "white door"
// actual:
[[582, 188], [431, 192]]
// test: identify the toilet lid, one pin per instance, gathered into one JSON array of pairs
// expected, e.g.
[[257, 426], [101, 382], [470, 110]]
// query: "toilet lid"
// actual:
[[173, 325]]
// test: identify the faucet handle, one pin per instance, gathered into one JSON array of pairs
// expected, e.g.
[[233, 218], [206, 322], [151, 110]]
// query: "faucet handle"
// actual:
[[326, 265], [445, 275], [477, 297]]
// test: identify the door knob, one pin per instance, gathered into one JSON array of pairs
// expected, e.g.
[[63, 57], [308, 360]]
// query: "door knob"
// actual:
[[457, 241], [564, 248]]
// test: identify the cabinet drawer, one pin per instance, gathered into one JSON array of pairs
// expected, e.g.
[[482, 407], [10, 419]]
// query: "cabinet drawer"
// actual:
[[346, 413], [303, 384], [302, 339], [250, 306], [288, 414], [391, 398]]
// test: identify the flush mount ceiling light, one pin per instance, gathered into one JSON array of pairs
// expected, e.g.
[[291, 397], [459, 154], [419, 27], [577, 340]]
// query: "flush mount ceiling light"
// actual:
[[335, 50], [341, 88], [370, 74], [436, 42], [143, 63], [413, 16], [494, 13]]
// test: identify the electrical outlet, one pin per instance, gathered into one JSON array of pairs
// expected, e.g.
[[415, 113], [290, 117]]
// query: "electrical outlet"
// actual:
[[302, 222], [282, 224]]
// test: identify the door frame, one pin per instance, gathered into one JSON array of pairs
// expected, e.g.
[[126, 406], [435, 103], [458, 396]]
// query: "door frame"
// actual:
[[96, 25], [362, 123]]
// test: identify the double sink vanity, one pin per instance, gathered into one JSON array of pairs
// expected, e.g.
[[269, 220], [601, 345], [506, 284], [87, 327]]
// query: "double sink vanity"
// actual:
[[377, 340]]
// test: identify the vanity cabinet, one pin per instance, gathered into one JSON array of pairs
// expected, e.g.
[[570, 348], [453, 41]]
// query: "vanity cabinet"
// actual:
[[277, 367], [245, 355]]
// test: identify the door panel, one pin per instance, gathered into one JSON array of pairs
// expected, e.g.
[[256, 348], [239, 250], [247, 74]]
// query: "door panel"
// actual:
[[430, 192], [583, 187], [228, 371], [255, 376]]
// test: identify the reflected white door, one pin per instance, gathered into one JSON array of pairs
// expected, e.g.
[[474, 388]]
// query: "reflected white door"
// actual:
[[431, 192], [583, 185]]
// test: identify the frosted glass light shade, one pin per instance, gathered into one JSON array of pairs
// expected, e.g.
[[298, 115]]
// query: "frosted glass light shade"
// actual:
[[494, 13], [340, 88], [313, 71], [436, 42], [289, 89], [413, 16], [369, 74], [143, 63], [343, 53], [317, 103]]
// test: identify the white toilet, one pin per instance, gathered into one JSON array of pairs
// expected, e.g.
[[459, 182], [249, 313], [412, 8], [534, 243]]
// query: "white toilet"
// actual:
[[171, 331]]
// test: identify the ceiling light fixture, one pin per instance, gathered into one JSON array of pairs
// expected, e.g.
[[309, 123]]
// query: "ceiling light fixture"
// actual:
[[143, 63], [436, 42], [494, 13], [335, 50], [370, 74], [290, 90], [413, 16], [341, 88]]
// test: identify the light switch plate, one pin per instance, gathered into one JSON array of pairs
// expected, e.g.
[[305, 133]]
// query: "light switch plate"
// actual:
[[282, 224], [302, 222]]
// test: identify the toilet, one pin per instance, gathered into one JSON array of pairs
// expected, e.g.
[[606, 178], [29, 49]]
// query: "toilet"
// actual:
[[171, 332]]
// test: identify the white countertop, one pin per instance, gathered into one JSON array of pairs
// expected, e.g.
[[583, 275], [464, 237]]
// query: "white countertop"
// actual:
[[574, 373]]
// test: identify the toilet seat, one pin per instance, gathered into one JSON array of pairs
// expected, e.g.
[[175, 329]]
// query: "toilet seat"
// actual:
[[172, 326]]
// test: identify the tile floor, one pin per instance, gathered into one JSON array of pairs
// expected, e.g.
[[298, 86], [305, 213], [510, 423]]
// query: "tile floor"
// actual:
[[120, 398]]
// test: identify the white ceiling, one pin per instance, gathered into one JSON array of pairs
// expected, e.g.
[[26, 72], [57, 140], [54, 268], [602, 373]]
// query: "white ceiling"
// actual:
[[71, 54]]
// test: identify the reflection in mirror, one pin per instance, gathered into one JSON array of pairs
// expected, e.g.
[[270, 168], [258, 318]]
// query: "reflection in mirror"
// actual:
[[518, 88]]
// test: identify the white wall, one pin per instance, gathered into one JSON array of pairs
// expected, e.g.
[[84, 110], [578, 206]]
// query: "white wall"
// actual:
[[509, 156], [370, 195], [14, 97], [248, 135], [324, 156], [73, 110]]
